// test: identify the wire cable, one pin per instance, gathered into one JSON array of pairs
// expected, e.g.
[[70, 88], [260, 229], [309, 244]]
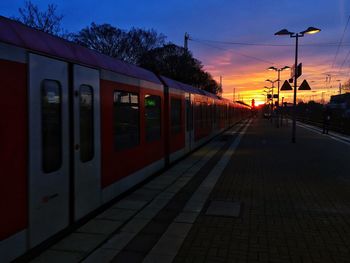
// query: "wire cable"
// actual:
[[267, 45], [340, 42], [235, 52]]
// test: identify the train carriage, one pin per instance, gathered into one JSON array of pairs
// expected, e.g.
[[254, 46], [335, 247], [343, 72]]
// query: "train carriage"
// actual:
[[79, 128]]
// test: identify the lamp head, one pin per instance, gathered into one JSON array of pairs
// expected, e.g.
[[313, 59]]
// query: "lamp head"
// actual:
[[272, 68], [285, 68], [311, 30], [283, 32]]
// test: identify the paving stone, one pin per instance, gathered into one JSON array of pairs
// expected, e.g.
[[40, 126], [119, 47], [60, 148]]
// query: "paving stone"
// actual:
[[101, 256], [119, 241], [158, 258], [186, 217], [130, 204], [148, 213], [178, 229], [143, 243], [224, 208], [80, 242], [117, 214], [135, 225], [55, 256], [97, 226], [194, 206], [144, 194], [167, 245], [128, 256]]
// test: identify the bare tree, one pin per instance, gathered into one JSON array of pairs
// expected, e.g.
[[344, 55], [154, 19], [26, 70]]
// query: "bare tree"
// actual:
[[172, 61], [103, 38], [128, 46], [48, 21], [139, 41]]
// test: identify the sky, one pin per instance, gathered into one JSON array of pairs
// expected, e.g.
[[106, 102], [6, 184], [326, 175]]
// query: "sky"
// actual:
[[234, 38]]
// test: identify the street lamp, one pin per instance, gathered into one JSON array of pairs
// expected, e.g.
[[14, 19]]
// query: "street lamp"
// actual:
[[285, 32], [272, 86], [278, 87], [278, 79]]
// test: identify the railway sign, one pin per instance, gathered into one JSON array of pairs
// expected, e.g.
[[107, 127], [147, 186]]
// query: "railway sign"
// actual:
[[304, 86], [286, 86], [299, 71]]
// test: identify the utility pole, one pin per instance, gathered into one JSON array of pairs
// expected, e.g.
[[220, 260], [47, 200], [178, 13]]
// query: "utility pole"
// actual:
[[186, 38]]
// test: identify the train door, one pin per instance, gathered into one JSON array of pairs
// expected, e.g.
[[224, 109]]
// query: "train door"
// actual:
[[48, 148], [189, 122], [86, 124]]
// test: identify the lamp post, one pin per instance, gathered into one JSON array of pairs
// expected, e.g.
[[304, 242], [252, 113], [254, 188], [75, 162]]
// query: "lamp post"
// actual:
[[339, 81], [285, 32], [278, 78], [278, 85], [272, 87]]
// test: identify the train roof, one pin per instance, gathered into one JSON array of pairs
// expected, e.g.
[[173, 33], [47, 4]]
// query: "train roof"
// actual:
[[179, 85], [18, 34], [186, 88]]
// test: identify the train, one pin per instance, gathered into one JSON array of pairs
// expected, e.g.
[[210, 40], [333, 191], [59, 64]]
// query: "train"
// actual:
[[79, 128]]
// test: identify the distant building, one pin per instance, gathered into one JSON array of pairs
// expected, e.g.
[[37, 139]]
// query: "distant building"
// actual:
[[341, 101]]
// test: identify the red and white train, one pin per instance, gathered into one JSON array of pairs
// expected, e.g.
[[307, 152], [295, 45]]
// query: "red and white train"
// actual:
[[79, 128]]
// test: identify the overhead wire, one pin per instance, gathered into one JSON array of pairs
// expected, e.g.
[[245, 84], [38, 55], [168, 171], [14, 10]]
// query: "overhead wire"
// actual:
[[340, 42], [266, 44], [344, 61], [235, 52]]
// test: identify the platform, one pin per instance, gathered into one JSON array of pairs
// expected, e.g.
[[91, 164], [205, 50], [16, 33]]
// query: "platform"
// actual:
[[249, 195]]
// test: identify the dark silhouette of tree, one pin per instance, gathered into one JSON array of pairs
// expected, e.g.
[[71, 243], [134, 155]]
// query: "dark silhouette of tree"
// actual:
[[103, 38], [48, 21], [177, 63], [128, 46], [139, 41]]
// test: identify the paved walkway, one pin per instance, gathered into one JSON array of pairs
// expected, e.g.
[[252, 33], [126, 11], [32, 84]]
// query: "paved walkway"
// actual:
[[248, 196], [295, 201]]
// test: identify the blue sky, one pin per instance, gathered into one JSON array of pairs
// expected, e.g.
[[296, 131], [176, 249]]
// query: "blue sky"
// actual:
[[251, 21]]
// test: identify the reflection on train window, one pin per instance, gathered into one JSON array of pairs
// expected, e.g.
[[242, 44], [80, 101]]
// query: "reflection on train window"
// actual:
[[86, 123], [126, 120], [51, 125], [175, 115], [152, 115]]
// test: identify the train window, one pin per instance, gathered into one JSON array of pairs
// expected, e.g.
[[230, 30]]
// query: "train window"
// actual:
[[152, 115], [86, 123], [175, 115], [126, 127], [51, 125]]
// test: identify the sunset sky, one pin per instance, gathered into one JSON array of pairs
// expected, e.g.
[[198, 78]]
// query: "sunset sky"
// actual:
[[216, 26]]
